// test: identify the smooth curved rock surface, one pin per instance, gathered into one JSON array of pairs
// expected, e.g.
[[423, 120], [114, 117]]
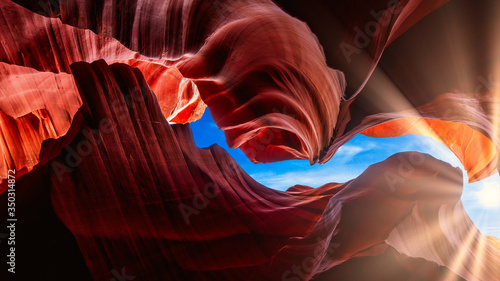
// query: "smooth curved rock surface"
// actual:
[[38, 94], [425, 74], [34, 106], [136, 193], [128, 205], [261, 71], [473, 136]]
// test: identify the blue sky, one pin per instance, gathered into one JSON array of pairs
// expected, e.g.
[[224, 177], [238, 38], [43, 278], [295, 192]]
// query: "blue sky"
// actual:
[[349, 162]]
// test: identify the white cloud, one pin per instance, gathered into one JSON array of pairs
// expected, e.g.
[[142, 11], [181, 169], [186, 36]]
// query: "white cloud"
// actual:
[[335, 170], [314, 178], [345, 154]]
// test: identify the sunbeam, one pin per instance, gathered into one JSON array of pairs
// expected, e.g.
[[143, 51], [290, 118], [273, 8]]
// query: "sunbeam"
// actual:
[[489, 195]]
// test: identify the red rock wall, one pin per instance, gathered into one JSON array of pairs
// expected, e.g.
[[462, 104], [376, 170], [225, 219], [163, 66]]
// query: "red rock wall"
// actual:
[[136, 193], [128, 205]]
